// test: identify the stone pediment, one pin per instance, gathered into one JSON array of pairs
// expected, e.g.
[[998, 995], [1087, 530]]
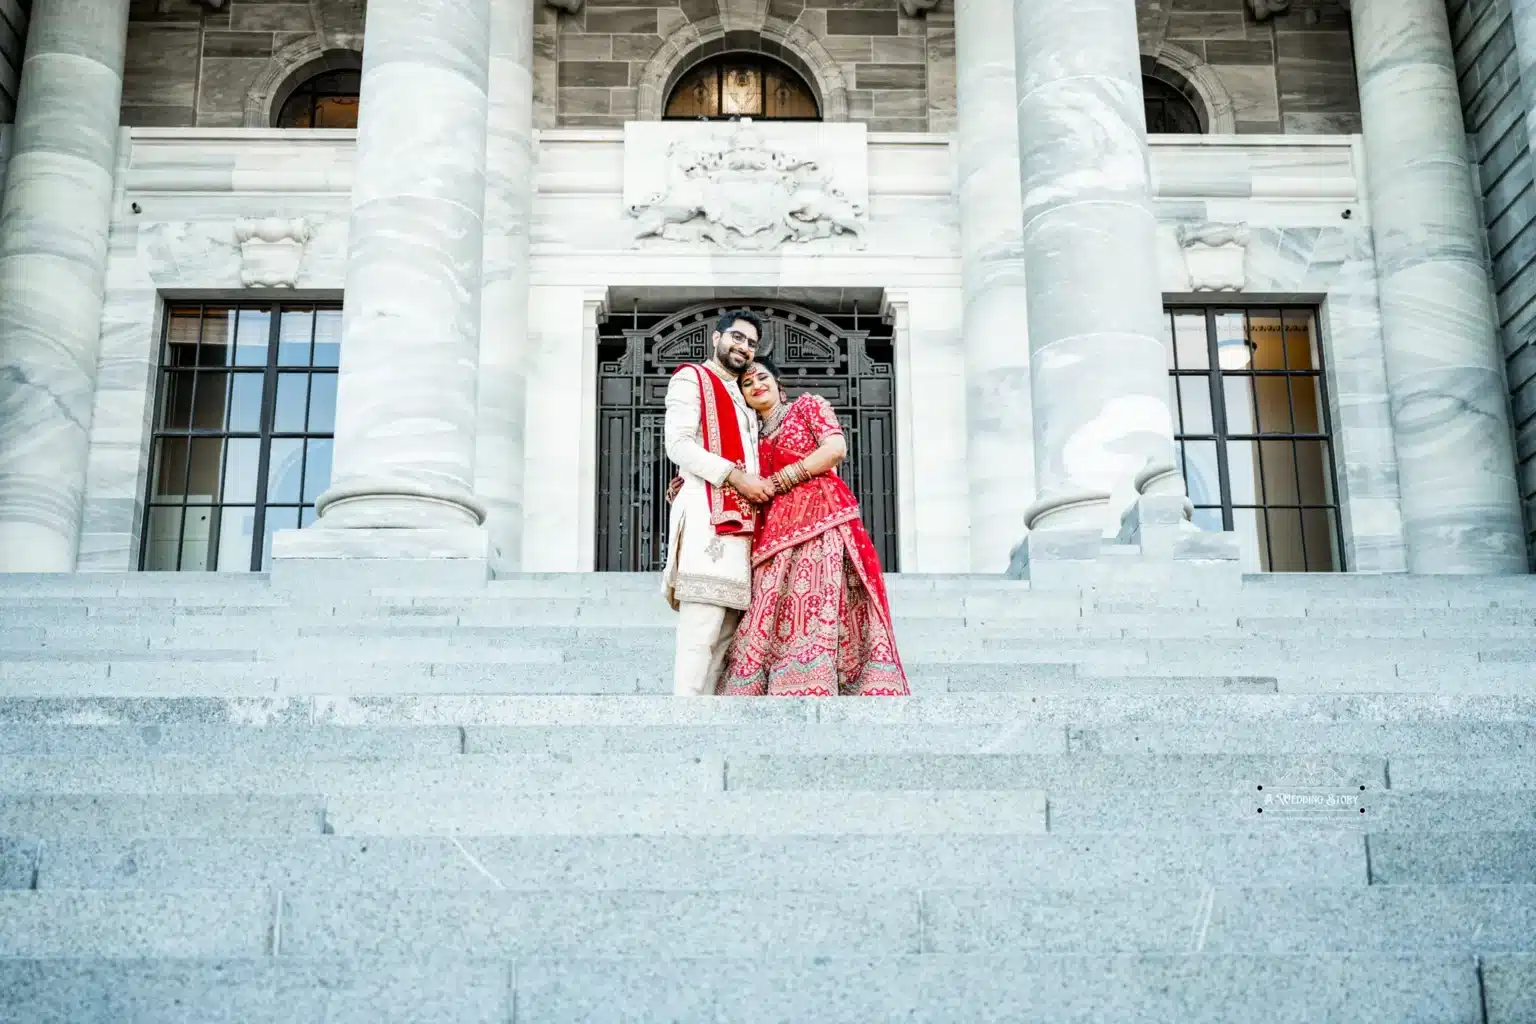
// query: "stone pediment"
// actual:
[[744, 185]]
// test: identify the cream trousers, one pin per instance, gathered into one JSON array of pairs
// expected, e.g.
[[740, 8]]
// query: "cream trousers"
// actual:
[[704, 634]]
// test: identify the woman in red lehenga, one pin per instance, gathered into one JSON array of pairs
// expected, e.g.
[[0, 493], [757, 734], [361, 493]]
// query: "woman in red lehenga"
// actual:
[[819, 625]]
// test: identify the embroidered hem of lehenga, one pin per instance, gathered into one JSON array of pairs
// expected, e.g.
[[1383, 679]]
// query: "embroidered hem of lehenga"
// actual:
[[817, 627]]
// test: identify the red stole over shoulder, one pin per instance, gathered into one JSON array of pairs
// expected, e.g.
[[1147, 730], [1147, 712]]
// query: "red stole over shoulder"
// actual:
[[729, 512]]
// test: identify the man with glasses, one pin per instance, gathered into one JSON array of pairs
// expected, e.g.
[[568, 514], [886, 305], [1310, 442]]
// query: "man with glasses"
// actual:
[[711, 434]]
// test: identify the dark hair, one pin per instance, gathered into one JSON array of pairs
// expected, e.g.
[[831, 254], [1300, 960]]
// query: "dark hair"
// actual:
[[745, 316], [769, 365]]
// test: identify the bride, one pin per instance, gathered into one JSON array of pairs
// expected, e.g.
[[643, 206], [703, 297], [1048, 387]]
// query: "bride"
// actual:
[[819, 624]]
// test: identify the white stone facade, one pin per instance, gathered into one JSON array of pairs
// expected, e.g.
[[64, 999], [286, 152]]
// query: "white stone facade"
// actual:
[[209, 213]]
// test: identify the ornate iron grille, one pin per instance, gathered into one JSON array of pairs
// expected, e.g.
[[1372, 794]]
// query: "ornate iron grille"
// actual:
[[847, 359]]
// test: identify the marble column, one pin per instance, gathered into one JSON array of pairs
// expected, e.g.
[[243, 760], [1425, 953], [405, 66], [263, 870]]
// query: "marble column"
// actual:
[[1445, 374], [1523, 16], [406, 397], [53, 251], [1098, 368], [1000, 458], [509, 188]]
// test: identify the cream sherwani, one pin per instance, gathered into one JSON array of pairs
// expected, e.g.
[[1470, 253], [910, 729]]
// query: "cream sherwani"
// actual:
[[708, 578]]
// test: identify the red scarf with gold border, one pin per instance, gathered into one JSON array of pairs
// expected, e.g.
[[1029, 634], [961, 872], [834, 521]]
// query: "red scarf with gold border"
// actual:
[[729, 512]]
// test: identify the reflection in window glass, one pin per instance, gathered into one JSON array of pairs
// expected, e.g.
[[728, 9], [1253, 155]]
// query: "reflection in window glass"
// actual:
[[1261, 463], [328, 100], [243, 427]]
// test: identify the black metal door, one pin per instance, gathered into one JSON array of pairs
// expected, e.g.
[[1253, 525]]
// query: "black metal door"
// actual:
[[848, 359]]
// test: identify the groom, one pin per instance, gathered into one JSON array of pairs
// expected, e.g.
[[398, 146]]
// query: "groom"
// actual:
[[711, 434]]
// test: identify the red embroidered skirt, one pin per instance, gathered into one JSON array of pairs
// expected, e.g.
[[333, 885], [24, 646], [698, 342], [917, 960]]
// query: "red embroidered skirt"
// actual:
[[818, 627]]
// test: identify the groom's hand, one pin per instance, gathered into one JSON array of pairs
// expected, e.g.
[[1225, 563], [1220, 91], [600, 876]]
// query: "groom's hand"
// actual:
[[750, 486]]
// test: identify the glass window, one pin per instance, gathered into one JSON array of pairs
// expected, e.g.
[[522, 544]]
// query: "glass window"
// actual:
[[328, 100], [742, 85], [1254, 440], [1169, 111], [242, 442]]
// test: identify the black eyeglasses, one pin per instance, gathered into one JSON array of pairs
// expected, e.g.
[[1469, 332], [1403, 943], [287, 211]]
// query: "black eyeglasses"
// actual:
[[741, 339]]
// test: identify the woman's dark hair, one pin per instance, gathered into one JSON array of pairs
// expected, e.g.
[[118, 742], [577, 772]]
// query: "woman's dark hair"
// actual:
[[729, 317], [773, 371]]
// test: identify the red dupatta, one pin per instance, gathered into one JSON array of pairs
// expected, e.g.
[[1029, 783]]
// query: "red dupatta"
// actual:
[[729, 512]]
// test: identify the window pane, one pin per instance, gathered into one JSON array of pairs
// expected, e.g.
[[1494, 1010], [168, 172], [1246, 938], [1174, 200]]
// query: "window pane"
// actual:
[[696, 95], [1307, 402], [1279, 473], [322, 403], [181, 336], [245, 402], [1274, 405], [788, 98], [277, 519], [240, 474], [1190, 342], [203, 481], [307, 517], [252, 337], [1168, 338], [1238, 393], [317, 469], [1287, 553], [292, 400], [1320, 531], [1202, 477], [197, 538], [1315, 472], [1195, 398], [293, 336], [218, 339], [170, 470], [1301, 341], [1264, 332], [328, 337], [176, 400], [286, 472], [1243, 471], [237, 531], [336, 112], [162, 540], [741, 91], [1233, 350]]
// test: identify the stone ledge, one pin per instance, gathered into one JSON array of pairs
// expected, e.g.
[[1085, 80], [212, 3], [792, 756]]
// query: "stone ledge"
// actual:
[[454, 556]]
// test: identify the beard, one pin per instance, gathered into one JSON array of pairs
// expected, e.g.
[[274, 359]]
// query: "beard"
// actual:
[[732, 360]]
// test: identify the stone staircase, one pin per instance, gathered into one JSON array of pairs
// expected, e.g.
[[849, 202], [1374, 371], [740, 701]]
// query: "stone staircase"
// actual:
[[224, 800]]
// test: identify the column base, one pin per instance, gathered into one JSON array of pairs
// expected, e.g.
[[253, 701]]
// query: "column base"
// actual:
[[455, 556], [1157, 549]]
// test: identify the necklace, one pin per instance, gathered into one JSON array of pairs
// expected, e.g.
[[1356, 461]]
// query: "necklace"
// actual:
[[775, 418]]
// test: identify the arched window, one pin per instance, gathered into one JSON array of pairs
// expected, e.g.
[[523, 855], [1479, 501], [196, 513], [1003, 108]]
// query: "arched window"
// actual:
[[327, 100], [1169, 111], [742, 85]]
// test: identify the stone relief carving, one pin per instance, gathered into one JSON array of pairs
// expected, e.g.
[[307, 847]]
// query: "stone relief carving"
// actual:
[[271, 250], [568, 6], [913, 8], [1215, 256], [743, 193]]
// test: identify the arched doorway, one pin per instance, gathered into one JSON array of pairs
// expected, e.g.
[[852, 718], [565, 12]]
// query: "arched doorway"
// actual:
[[848, 359]]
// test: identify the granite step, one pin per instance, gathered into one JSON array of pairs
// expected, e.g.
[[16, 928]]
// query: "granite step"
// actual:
[[666, 863], [1181, 988]]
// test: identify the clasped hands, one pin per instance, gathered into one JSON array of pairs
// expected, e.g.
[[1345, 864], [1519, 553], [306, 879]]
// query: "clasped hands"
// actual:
[[750, 486]]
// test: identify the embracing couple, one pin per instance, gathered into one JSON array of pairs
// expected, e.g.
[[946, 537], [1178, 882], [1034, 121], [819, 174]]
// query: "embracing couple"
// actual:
[[776, 583]]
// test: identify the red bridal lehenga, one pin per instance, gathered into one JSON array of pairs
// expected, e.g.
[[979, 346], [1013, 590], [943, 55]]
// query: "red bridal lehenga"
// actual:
[[820, 624]]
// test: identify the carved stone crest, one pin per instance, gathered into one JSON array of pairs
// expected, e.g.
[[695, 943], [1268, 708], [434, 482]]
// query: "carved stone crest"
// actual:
[[742, 192], [271, 250], [1215, 256]]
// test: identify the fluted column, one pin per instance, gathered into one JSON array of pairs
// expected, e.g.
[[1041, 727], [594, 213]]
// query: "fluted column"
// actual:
[[406, 398], [1445, 374], [53, 253], [1523, 16], [1000, 457], [1099, 376], [509, 187]]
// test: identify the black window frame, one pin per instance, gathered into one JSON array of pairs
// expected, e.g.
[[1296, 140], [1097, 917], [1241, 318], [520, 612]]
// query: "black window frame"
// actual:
[[311, 89], [1221, 435], [271, 373], [1159, 95]]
